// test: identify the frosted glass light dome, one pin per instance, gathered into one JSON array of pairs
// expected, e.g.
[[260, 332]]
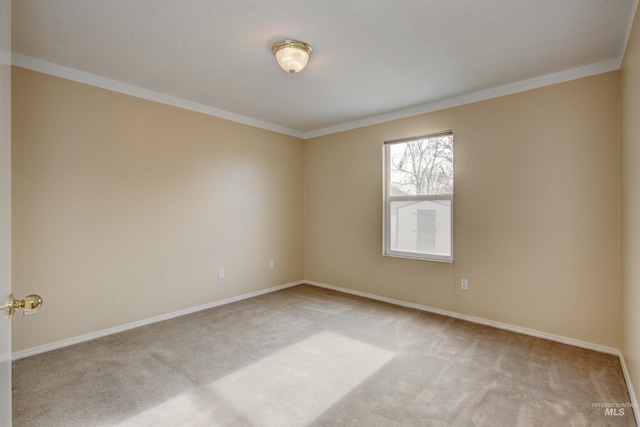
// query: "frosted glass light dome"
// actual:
[[292, 55]]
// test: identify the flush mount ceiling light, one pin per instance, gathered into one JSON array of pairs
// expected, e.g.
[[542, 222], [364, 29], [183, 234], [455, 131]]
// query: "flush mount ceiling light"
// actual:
[[292, 55]]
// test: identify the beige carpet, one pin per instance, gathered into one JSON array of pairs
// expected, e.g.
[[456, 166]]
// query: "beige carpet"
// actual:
[[310, 356]]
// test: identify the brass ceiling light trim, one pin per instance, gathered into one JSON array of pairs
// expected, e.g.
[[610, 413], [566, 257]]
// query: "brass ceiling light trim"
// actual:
[[292, 55]]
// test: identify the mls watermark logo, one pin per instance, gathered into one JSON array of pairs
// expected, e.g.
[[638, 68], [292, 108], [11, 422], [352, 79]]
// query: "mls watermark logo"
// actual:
[[616, 412], [612, 409]]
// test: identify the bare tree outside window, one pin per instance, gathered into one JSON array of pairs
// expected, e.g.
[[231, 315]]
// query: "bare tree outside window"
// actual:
[[422, 166], [418, 213]]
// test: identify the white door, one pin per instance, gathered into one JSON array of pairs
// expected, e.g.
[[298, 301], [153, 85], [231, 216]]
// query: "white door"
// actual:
[[5, 211]]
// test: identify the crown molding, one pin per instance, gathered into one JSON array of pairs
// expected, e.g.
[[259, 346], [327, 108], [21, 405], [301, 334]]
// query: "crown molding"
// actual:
[[483, 95], [632, 15], [72, 74]]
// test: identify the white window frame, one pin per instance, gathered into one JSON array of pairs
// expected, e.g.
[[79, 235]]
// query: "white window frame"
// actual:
[[388, 199]]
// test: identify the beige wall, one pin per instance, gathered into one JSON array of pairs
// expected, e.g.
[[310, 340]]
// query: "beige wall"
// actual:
[[124, 209], [631, 204], [536, 211]]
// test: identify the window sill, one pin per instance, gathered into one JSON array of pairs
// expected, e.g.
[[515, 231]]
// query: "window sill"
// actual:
[[409, 255]]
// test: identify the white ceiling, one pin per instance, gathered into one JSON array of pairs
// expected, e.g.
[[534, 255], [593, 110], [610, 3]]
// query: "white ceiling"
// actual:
[[372, 60]]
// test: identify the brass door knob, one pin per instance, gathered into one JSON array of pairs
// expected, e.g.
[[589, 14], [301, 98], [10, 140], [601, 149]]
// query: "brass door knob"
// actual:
[[28, 304]]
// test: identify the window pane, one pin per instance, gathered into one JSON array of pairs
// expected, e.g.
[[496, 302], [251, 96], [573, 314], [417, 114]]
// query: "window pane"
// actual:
[[421, 226], [422, 166]]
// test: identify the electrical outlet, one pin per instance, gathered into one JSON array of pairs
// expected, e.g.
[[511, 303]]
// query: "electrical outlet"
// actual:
[[272, 264], [221, 273], [464, 284]]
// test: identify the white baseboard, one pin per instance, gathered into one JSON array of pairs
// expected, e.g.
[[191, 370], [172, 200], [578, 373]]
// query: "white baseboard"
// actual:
[[539, 334], [99, 334], [493, 323], [500, 325], [479, 320], [632, 394]]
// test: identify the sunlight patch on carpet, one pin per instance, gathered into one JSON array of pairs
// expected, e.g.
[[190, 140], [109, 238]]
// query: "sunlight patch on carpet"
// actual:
[[297, 384]]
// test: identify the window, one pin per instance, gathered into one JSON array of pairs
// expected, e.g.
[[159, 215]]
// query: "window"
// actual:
[[418, 197]]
